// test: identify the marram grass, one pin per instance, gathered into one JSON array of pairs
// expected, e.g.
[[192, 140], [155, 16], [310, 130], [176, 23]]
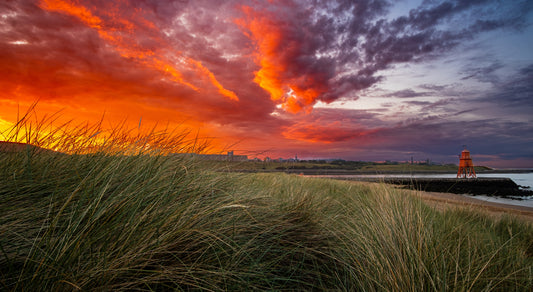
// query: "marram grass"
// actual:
[[144, 220]]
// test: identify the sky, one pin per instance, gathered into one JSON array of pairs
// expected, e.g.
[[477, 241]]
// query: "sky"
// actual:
[[369, 80]]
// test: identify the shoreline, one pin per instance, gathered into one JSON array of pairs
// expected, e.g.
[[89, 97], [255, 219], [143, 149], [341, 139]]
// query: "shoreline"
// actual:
[[443, 201], [485, 186], [326, 171]]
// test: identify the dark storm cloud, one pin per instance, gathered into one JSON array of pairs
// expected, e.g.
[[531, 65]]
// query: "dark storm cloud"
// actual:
[[427, 106], [407, 93], [516, 92], [430, 31], [343, 45], [439, 138], [438, 135], [482, 73], [433, 87], [432, 136]]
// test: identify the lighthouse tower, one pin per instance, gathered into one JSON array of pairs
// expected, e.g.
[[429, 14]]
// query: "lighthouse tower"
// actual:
[[466, 167]]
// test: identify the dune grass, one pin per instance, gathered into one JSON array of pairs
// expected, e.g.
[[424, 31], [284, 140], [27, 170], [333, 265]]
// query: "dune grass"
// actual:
[[133, 217]]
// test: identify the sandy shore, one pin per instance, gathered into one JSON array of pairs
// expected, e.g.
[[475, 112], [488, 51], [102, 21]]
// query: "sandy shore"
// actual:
[[441, 201]]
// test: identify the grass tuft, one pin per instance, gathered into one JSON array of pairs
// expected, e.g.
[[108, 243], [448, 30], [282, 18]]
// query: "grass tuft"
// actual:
[[118, 212]]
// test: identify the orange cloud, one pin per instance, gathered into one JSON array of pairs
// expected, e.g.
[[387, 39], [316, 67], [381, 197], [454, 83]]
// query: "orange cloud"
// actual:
[[227, 93], [118, 36], [294, 93], [317, 132]]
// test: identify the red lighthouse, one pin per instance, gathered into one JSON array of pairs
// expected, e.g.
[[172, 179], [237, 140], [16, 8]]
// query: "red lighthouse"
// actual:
[[466, 167]]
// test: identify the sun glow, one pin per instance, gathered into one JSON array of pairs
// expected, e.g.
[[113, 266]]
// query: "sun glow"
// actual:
[[4, 128]]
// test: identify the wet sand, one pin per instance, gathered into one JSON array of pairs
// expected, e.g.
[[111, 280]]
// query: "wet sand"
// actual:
[[442, 201]]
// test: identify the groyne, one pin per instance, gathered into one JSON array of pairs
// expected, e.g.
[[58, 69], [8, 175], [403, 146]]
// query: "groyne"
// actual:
[[488, 186], [501, 187]]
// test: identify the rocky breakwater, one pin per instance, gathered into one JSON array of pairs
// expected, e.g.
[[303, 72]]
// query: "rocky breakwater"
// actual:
[[501, 187]]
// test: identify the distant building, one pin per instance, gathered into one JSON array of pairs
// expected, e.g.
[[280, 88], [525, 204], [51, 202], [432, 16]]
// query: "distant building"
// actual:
[[223, 157]]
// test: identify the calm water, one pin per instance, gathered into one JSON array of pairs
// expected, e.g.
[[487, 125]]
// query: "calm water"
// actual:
[[521, 179]]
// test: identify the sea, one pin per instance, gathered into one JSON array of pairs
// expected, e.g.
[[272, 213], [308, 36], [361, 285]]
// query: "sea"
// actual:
[[523, 178]]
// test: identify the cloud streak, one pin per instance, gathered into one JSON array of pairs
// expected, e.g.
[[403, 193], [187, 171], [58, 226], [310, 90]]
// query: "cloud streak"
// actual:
[[118, 31]]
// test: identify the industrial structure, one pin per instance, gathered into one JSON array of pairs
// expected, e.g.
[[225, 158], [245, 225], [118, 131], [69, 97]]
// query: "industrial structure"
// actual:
[[466, 167], [223, 157]]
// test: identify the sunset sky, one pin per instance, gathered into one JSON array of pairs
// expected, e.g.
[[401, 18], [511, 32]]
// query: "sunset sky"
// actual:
[[368, 80]]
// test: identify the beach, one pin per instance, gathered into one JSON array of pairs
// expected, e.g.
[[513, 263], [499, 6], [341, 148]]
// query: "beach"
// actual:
[[443, 201]]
